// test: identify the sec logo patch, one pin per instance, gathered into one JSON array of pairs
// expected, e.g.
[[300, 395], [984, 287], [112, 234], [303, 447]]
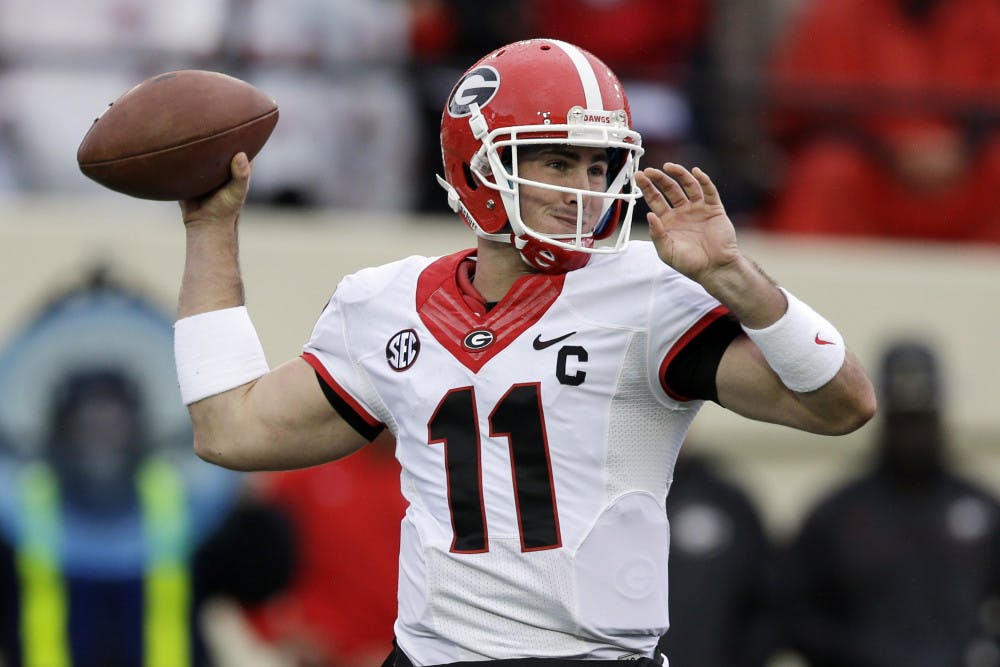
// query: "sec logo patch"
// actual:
[[402, 349]]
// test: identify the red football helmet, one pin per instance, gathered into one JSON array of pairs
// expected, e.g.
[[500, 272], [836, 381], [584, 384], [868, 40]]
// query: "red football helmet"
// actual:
[[538, 91]]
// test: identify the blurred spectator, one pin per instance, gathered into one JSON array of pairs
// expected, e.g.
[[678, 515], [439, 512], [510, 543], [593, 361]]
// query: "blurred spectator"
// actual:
[[106, 572], [466, 30], [8, 163], [341, 606], [721, 571], [729, 101], [347, 136], [900, 566], [113, 535], [657, 50], [889, 111], [62, 62], [448, 36]]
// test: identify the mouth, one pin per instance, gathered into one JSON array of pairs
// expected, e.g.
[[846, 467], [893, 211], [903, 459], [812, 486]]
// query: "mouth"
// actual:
[[566, 220], [569, 227]]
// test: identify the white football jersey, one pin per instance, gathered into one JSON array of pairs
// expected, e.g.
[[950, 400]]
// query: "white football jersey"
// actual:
[[537, 444]]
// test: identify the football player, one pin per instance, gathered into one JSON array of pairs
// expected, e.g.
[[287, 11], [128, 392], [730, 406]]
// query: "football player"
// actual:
[[538, 385]]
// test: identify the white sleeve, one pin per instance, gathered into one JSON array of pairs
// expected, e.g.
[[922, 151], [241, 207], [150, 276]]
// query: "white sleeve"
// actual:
[[346, 385]]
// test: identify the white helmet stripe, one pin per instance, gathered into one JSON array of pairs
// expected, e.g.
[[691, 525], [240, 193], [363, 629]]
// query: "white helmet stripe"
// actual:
[[591, 89]]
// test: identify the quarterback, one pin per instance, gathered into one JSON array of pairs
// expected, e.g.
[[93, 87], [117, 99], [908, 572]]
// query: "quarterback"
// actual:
[[538, 385]]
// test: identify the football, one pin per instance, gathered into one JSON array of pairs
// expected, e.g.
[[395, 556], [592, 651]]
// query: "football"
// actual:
[[173, 136]]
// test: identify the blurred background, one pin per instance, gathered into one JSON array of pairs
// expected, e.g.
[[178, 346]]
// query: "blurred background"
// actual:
[[855, 143]]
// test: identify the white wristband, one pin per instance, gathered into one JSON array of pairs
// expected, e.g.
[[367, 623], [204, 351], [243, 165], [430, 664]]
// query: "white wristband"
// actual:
[[804, 349], [215, 352]]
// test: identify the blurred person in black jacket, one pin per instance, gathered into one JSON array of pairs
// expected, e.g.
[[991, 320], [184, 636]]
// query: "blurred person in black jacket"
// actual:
[[900, 566], [721, 571]]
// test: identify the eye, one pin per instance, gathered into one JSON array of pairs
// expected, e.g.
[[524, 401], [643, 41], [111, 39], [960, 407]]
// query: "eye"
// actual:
[[599, 170]]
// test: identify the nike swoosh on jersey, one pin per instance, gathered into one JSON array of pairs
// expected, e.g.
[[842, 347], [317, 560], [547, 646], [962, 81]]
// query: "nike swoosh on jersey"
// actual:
[[820, 341], [540, 344]]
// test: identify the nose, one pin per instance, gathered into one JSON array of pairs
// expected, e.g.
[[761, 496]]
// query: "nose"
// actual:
[[579, 179]]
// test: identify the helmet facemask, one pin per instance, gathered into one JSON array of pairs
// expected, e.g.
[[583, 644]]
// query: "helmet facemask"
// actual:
[[495, 165]]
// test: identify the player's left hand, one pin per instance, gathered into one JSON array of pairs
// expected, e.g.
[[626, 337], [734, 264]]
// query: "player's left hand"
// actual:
[[687, 221]]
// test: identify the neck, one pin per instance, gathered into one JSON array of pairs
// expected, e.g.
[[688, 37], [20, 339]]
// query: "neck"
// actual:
[[497, 268]]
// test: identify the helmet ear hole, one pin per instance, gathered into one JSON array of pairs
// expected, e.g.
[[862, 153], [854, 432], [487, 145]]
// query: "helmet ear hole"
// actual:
[[470, 180]]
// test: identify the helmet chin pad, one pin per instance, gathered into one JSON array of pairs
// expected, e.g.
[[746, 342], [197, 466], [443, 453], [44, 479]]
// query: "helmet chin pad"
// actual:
[[547, 258]]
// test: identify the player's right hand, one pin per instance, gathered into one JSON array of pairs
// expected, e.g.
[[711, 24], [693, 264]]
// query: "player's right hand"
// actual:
[[223, 205]]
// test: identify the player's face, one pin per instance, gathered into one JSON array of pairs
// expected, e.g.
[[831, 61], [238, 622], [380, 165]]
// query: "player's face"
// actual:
[[553, 212]]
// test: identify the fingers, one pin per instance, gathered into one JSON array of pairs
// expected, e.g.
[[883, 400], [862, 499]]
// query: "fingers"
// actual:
[[651, 192], [236, 190], [663, 190], [712, 196], [226, 201], [674, 186], [689, 184], [239, 166]]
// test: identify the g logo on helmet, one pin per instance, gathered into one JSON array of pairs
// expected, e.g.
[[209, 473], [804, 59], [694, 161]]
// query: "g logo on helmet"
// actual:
[[479, 86]]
